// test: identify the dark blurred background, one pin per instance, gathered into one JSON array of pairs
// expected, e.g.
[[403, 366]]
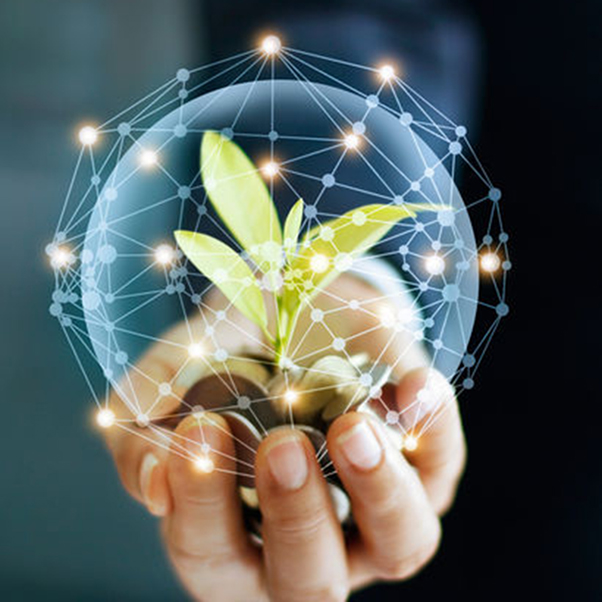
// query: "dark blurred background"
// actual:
[[526, 76]]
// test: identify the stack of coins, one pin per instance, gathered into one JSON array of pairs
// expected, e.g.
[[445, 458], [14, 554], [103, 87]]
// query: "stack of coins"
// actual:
[[254, 396]]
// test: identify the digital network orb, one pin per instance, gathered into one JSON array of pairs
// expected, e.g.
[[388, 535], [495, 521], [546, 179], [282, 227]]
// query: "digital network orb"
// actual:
[[123, 284]]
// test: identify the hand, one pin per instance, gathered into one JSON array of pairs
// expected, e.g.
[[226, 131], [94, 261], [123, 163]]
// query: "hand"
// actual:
[[396, 498]]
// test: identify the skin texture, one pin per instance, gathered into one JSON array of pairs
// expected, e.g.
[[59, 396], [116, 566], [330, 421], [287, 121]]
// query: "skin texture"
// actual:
[[397, 498]]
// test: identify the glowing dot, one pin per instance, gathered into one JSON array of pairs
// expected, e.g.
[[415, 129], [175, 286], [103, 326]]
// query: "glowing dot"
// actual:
[[148, 158], [164, 254], [291, 396], [410, 443], [490, 262], [319, 263], [352, 141], [271, 45], [204, 464], [435, 265], [271, 169], [88, 135], [105, 418], [195, 350], [61, 257], [387, 72]]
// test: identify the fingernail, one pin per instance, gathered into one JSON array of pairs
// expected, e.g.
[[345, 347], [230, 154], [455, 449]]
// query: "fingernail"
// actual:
[[287, 463], [199, 429], [149, 463], [360, 446]]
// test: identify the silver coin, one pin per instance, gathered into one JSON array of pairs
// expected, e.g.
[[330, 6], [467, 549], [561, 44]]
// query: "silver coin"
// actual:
[[318, 440], [248, 495], [340, 502]]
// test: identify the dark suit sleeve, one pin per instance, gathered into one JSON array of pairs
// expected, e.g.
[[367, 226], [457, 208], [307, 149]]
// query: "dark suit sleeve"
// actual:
[[435, 46], [436, 42]]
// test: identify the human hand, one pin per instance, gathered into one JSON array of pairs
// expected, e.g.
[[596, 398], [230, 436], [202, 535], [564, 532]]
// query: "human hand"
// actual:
[[305, 556]]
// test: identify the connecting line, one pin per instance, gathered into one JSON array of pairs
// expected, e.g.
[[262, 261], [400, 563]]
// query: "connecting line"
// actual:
[[95, 236]]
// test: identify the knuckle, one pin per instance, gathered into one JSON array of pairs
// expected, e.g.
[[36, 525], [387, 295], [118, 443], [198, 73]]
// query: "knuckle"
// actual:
[[405, 566], [325, 593], [384, 500], [299, 527], [198, 501], [201, 559]]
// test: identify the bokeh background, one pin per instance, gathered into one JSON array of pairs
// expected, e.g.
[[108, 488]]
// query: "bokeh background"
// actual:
[[525, 76]]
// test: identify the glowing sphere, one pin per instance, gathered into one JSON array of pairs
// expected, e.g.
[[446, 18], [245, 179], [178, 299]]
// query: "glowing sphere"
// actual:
[[490, 262], [88, 135], [105, 418], [271, 45]]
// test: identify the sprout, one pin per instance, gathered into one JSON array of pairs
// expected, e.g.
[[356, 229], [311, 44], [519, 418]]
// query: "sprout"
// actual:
[[242, 200]]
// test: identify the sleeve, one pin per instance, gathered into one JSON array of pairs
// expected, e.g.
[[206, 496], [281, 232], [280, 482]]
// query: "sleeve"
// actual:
[[435, 43]]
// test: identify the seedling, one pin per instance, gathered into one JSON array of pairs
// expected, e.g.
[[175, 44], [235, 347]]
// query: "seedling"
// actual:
[[290, 269]]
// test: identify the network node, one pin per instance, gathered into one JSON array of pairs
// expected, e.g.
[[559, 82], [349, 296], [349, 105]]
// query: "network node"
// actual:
[[148, 158], [183, 75], [291, 396], [387, 72], [435, 265], [410, 443], [271, 169], [164, 389], [164, 254], [352, 141], [271, 45], [319, 263], [490, 262], [204, 464], [88, 135], [61, 257], [105, 418], [196, 350], [142, 421]]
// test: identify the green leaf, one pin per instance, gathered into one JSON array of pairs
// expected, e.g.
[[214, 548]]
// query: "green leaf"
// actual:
[[225, 268], [242, 200], [291, 229], [330, 248]]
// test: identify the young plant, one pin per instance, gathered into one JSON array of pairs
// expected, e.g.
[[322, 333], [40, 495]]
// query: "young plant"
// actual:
[[291, 269]]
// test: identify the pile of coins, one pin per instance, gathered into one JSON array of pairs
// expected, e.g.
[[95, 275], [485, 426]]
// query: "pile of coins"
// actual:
[[254, 396]]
